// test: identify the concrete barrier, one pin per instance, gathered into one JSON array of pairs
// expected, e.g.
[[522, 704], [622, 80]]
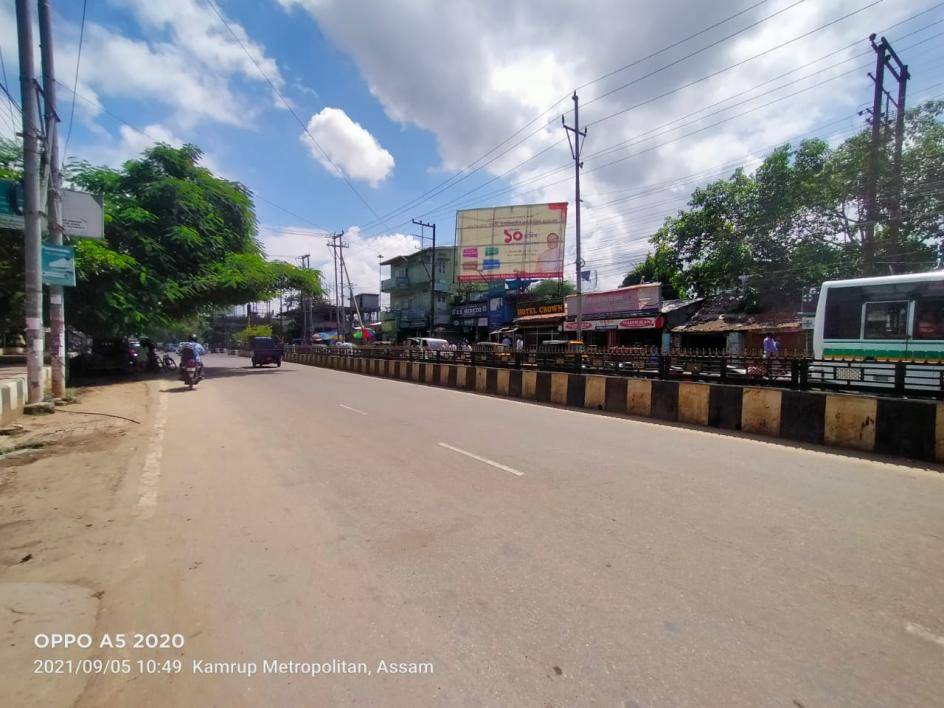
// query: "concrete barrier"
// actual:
[[13, 395], [894, 427]]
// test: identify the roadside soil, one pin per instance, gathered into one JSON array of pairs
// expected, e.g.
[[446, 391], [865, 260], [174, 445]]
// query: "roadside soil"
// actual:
[[65, 484]]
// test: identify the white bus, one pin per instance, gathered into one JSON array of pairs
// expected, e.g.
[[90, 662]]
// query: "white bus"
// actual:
[[892, 318]]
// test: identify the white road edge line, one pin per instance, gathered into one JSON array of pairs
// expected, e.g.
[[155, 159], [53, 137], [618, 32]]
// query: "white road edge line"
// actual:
[[151, 475], [923, 632], [482, 459], [352, 409]]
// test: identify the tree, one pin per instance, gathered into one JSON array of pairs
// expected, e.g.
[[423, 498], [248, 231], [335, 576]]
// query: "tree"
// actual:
[[552, 289], [179, 242], [798, 219], [243, 337]]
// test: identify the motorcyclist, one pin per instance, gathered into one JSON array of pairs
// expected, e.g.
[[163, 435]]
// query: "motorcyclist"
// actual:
[[193, 348]]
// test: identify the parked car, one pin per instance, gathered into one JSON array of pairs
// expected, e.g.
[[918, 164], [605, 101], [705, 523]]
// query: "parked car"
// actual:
[[115, 354]]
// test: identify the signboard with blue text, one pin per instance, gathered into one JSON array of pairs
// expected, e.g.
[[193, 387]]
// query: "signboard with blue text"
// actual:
[[58, 265]]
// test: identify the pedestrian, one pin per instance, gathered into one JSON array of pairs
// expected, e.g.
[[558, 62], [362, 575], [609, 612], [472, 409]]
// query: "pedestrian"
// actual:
[[506, 341], [771, 346], [519, 344]]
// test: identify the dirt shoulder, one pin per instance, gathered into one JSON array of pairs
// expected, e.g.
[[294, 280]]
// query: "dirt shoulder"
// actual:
[[66, 485]]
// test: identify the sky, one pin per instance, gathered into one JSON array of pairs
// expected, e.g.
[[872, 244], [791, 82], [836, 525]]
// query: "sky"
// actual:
[[359, 116]]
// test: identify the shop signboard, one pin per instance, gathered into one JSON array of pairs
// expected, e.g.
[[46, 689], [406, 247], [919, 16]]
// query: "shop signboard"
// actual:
[[609, 324], [635, 298], [474, 309], [539, 307], [511, 242]]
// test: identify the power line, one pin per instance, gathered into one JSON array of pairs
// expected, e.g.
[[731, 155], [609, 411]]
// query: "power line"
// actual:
[[291, 110], [75, 80], [6, 91], [459, 177], [567, 166]]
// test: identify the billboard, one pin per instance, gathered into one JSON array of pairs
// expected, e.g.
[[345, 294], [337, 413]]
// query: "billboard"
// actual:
[[634, 298], [500, 243]]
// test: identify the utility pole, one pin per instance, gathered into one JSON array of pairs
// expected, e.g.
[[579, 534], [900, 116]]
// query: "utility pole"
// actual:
[[57, 319], [432, 275], [305, 262], [32, 251], [576, 146], [885, 59], [337, 244], [871, 177]]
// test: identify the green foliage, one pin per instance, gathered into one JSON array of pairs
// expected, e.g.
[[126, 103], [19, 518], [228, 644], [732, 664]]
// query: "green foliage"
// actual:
[[179, 242], [798, 219], [243, 338], [552, 289]]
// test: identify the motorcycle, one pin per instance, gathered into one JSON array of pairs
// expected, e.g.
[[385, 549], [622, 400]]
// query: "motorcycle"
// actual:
[[191, 372], [169, 363]]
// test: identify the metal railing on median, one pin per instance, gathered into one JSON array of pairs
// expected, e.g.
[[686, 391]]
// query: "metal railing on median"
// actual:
[[754, 369]]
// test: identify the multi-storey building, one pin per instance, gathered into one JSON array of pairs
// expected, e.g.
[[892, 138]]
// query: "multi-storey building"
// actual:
[[409, 284]]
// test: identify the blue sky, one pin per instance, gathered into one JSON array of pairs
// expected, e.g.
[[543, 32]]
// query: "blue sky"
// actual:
[[403, 94]]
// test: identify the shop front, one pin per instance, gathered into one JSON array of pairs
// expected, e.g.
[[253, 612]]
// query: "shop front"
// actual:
[[624, 332], [539, 320], [618, 318], [470, 321]]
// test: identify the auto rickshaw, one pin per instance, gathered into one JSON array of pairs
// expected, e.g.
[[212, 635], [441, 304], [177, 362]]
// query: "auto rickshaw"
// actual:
[[266, 350]]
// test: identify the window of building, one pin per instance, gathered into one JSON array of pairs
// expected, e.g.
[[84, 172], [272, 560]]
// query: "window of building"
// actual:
[[441, 266], [929, 319], [441, 298], [886, 320]]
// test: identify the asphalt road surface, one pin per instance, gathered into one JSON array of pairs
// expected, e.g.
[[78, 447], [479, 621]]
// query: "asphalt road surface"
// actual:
[[518, 554]]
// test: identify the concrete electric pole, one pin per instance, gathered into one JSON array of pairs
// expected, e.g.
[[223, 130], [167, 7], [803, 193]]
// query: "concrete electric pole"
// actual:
[[575, 148], [32, 251], [57, 319], [432, 275], [885, 59]]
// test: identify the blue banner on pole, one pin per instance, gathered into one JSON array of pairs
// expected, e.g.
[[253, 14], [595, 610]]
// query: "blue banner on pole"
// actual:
[[58, 265]]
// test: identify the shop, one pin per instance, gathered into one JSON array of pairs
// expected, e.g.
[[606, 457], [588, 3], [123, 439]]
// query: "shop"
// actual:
[[470, 321], [629, 331], [539, 320], [622, 317]]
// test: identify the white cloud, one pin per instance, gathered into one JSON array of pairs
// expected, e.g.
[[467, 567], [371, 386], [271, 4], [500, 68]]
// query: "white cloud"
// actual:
[[132, 142], [487, 67], [352, 149]]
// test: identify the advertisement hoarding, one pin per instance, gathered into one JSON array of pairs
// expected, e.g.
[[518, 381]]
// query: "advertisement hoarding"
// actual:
[[635, 298], [500, 243]]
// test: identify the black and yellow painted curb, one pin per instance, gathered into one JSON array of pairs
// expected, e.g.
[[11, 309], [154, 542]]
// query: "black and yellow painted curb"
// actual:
[[896, 427]]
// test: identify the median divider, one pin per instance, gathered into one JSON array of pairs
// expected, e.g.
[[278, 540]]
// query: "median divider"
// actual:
[[888, 426]]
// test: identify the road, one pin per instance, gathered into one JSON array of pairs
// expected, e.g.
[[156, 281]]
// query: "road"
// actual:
[[531, 555]]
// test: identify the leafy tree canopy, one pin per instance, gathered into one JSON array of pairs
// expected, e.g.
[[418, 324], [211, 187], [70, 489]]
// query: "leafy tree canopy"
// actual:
[[179, 242], [552, 289], [799, 219]]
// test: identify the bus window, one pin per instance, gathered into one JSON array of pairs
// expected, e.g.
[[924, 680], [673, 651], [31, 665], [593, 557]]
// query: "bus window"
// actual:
[[886, 320], [929, 319], [843, 313]]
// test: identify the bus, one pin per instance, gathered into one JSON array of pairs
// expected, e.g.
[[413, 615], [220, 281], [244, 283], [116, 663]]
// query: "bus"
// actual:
[[885, 319]]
